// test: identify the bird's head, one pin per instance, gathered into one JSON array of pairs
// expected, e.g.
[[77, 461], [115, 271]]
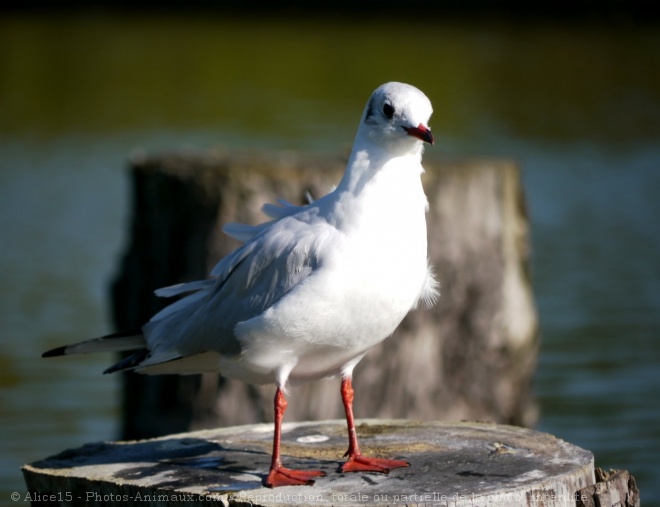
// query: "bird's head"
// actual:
[[397, 114]]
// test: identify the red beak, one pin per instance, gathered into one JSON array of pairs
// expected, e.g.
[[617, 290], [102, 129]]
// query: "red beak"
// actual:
[[420, 132]]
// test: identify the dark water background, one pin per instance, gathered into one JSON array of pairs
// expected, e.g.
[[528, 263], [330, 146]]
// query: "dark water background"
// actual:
[[577, 104]]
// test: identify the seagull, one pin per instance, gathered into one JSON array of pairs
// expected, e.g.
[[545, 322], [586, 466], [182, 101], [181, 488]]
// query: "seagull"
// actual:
[[311, 291]]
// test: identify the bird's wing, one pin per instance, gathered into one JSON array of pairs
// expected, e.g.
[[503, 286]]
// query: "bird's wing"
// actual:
[[282, 209], [245, 283], [242, 232]]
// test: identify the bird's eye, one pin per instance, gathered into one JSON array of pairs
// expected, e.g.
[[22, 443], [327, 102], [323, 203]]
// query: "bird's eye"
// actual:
[[388, 110]]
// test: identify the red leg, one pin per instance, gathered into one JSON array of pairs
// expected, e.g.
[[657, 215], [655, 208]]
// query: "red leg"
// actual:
[[278, 475], [356, 461]]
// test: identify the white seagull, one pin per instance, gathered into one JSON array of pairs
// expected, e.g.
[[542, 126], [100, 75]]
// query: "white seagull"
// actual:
[[310, 292]]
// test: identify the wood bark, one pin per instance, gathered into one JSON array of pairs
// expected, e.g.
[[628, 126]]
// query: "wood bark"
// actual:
[[616, 488], [472, 356]]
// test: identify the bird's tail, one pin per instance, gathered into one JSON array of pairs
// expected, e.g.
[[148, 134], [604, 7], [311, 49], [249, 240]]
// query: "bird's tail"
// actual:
[[115, 342]]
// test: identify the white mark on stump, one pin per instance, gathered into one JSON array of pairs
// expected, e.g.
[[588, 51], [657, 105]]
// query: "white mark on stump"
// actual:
[[312, 439]]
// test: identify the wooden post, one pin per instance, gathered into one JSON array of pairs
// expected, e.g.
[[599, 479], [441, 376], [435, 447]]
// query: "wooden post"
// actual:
[[452, 464], [470, 357]]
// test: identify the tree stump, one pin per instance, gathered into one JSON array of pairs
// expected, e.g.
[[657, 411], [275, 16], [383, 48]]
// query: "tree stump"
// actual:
[[452, 464], [470, 357]]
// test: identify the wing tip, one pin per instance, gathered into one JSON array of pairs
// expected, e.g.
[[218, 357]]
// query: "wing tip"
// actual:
[[58, 351], [129, 362]]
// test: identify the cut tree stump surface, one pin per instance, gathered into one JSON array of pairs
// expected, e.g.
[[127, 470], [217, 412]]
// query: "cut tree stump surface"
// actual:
[[452, 464]]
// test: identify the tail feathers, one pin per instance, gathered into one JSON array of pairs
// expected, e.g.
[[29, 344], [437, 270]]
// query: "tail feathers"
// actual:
[[115, 342]]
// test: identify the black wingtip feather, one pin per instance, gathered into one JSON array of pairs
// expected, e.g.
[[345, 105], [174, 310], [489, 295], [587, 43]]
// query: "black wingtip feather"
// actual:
[[59, 351], [128, 362]]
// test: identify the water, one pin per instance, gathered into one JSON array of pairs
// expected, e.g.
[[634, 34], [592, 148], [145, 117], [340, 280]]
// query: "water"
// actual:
[[577, 105]]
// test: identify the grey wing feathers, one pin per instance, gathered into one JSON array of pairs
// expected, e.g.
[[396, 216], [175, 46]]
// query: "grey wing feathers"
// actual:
[[284, 208], [182, 288], [187, 335], [244, 284]]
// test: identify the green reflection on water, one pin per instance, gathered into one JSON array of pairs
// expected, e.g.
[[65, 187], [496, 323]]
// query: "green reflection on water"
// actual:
[[110, 73]]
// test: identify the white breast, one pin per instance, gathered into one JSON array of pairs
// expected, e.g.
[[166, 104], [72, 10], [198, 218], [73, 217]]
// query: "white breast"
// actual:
[[360, 293]]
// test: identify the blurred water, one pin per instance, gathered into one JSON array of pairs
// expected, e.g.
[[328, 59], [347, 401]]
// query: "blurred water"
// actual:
[[578, 106]]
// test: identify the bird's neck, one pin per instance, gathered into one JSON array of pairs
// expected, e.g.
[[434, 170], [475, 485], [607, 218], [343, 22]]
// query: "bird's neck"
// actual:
[[369, 162], [376, 183]]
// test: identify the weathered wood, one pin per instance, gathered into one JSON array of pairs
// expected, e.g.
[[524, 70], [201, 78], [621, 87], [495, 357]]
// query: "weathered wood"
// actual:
[[470, 357], [452, 464], [616, 488]]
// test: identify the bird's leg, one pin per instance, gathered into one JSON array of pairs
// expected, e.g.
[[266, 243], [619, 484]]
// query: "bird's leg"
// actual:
[[356, 461], [279, 475]]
